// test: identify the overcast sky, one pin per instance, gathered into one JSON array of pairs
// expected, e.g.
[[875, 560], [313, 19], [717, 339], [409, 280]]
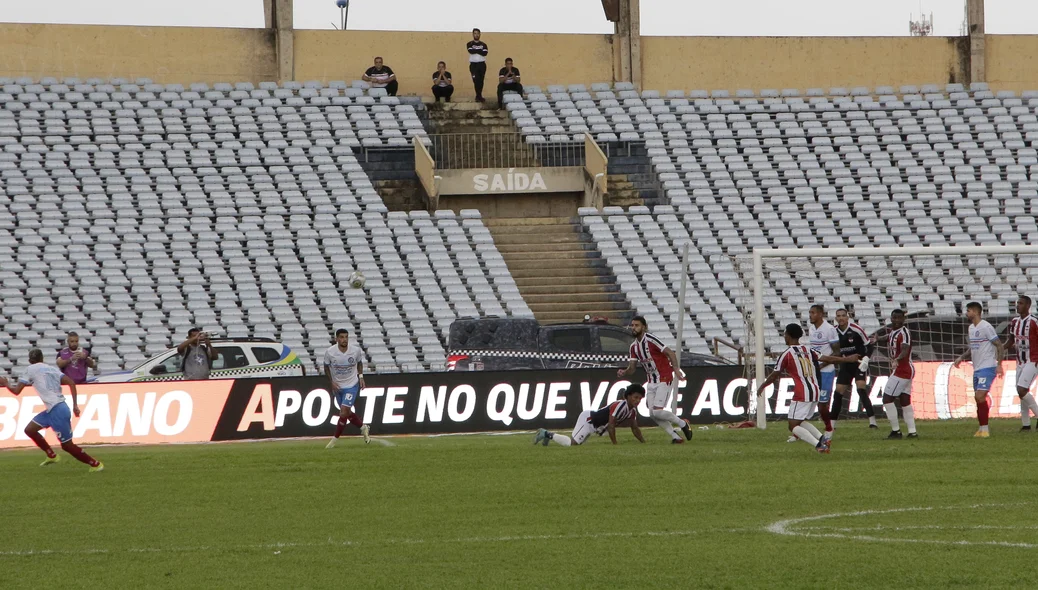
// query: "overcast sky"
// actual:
[[659, 17]]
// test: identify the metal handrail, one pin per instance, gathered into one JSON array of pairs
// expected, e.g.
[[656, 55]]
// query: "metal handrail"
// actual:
[[501, 150]]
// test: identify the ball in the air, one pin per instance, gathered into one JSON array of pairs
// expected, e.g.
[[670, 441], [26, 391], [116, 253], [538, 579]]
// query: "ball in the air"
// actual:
[[356, 280]]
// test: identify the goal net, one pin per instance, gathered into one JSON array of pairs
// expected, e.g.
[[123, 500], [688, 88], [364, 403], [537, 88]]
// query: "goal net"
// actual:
[[932, 285]]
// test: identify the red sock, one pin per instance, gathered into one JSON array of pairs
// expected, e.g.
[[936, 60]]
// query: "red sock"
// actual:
[[79, 454], [42, 443], [355, 420], [339, 427], [982, 412], [823, 412]]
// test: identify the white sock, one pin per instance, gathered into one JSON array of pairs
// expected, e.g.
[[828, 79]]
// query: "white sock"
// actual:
[[1028, 406], [909, 413], [666, 420], [811, 428], [872, 420], [984, 429], [805, 435], [891, 411], [561, 439], [833, 422]]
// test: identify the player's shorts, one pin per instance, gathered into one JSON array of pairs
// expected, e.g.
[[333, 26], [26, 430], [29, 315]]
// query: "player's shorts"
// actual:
[[584, 428], [849, 373], [1025, 374], [347, 396], [897, 386], [983, 379], [58, 419], [656, 394], [802, 410], [827, 388]]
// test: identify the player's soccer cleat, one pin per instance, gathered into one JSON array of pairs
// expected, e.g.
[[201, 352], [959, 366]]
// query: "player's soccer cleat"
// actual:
[[541, 437], [50, 460], [792, 438], [676, 441], [827, 440], [822, 448], [873, 427], [1025, 428], [894, 435], [982, 434], [330, 445], [686, 428], [913, 435], [97, 468], [365, 431]]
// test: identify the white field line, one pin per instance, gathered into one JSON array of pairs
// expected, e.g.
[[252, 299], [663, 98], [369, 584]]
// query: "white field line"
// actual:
[[390, 542], [789, 527]]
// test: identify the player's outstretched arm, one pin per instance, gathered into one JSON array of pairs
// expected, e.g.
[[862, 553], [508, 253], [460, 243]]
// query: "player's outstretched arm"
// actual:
[[673, 358], [772, 378], [636, 430], [611, 427], [628, 370], [14, 388], [67, 381], [836, 360]]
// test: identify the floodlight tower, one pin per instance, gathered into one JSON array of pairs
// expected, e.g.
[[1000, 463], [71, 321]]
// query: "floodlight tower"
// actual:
[[344, 13]]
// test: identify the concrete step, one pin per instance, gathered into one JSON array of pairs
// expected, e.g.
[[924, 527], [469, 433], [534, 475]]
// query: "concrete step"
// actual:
[[545, 271], [576, 307], [536, 290], [504, 221], [581, 255], [569, 317], [602, 300], [506, 238], [537, 229]]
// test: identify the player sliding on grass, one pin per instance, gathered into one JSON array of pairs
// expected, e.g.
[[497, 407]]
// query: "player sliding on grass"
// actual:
[[986, 352], [1023, 334], [800, 363], [899, 383], [659, 363], [601, 421], [344, 365], [47, 381]]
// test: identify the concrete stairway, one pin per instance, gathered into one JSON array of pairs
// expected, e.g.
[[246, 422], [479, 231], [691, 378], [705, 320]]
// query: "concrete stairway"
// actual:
[[559, 272], [632, 180], [491, 151]]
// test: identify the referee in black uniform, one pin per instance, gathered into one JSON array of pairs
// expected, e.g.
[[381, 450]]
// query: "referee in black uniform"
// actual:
[[477, 62]]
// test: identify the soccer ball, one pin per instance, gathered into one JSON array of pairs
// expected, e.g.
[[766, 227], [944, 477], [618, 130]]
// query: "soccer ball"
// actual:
[[356, 280]]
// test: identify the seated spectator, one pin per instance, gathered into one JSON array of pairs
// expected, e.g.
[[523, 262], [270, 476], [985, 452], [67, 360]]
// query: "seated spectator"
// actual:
[[443, 85], [508, 81], [380, 76]]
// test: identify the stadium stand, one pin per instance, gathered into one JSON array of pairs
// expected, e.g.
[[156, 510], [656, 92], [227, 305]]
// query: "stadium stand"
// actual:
[[131, 211], [923, 166]]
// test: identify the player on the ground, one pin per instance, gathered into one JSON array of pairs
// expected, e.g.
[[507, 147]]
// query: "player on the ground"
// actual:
[[344, 365], [659, 363], [825, 340], [602, 420], [899, 383], [800, 363], [1023, 335], [853, 340], [986, 352], [47, 382]]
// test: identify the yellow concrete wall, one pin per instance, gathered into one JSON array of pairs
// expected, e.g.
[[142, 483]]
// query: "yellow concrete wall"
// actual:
[[164, 54], [542, 58], [1012, 62], [756, 63]]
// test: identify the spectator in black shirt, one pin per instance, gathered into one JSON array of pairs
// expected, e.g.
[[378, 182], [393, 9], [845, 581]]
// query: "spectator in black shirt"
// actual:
[[380, 76], [477, 62], [443, 85], [508, 81]]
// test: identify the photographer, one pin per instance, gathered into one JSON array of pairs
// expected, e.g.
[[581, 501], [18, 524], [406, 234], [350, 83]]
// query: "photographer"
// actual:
[[74, 361], [198, 354]]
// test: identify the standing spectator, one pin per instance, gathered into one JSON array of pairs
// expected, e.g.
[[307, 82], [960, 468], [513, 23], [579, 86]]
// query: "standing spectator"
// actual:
[[380, 76], [443, 84], [75, 361], [198, 354], [508, 81], [477, 62]]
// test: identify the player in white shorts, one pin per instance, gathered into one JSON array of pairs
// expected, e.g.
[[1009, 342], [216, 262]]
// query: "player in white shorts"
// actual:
[[659, 363], [1023, 336], [899, 385]]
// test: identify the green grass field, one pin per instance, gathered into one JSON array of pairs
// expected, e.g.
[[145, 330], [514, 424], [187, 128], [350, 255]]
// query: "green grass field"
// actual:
[[494, 511]]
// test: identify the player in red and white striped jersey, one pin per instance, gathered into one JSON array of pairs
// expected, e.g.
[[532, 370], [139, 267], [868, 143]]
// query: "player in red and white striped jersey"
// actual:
[[605, 419], [899, 383], [659, 363], [801, 363], [1023, 335]]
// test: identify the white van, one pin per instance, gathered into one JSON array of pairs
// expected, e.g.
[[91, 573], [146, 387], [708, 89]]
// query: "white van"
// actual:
[[247, 358]]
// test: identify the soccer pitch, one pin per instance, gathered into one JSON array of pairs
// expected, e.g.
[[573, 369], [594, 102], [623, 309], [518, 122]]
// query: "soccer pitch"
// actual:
[[730, 509]]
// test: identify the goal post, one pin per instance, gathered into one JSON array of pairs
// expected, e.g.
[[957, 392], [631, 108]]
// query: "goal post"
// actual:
[[932, 284]]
